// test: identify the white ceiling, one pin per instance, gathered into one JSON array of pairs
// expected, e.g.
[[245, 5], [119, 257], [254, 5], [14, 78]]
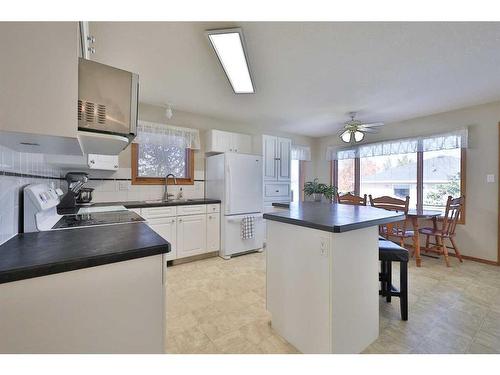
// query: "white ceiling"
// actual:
[[309, 75]]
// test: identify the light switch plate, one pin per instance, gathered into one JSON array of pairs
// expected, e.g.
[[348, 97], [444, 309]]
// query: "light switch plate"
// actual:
[[490, 178]]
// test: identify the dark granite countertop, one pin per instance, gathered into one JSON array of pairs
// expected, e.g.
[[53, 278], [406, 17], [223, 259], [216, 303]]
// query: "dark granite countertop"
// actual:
[[143, 204], [37, 254], [334, 218]]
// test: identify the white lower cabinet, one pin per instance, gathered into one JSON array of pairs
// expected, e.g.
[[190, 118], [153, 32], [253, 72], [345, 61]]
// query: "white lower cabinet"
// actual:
[[191, 235], [167, 228], [190, 229], [213, 232]]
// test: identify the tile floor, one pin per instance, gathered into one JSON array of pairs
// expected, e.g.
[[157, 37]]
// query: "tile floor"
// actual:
[[218, 306]]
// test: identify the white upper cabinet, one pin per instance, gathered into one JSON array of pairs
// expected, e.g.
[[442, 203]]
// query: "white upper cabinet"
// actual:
[[276, 169], [39, 80], [218, 141], [284, 158], [277, 158], [241, 143], [269, 149]]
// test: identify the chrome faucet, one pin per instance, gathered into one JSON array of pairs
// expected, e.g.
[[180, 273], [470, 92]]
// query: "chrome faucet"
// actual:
[[166, 195]]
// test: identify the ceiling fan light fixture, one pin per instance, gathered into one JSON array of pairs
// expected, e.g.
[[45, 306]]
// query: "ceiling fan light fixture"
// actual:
[[346, 136], [358, 136]]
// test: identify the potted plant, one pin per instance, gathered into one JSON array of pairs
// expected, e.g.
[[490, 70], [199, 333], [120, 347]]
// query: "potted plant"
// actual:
[[329, 192], [317, 190]]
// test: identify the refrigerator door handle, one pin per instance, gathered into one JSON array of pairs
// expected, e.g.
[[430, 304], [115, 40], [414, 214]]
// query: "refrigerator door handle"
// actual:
[[228, 189], [240, 217]]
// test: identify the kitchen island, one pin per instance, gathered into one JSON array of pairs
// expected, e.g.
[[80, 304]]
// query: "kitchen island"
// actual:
[[97, 289], [322, 275]]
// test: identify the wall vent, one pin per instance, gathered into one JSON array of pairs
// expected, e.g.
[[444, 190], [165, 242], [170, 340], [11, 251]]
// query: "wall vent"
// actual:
[[92, 113]]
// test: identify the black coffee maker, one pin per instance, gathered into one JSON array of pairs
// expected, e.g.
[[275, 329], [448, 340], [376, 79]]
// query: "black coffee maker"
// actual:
[[75, 182]]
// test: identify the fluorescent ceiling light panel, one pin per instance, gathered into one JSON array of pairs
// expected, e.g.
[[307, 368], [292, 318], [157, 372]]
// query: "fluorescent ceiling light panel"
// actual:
[[229, 47]]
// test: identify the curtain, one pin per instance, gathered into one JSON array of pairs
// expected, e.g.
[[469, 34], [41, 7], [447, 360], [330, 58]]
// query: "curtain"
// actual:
[[445, 141], [167, 135], [301, 153], [333, 154]]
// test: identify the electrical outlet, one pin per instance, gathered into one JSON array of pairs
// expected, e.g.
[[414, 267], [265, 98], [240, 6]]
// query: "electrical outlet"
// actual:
[[123, 185], [490, 178], [323, 246]]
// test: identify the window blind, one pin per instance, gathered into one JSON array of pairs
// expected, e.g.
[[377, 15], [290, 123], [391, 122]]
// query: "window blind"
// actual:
[[444, 141]]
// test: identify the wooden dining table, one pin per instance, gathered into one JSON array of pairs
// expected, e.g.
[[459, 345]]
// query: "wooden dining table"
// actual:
[[414, 215]]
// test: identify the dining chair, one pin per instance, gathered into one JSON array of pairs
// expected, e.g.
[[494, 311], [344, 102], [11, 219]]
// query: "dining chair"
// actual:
[[351, 199], [399, 229], [454, 208]]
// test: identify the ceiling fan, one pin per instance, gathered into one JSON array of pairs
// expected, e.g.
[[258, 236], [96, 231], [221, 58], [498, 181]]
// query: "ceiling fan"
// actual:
[[354, 130]]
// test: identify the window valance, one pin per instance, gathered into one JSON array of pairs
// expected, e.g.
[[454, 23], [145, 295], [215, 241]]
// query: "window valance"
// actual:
[[445, 141], [301, 153], [167, 135]]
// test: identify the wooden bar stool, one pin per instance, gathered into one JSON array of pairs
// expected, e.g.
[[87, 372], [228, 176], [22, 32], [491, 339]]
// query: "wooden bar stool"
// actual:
[[351, 199], [397, 230], [454, 208], [389, 252]]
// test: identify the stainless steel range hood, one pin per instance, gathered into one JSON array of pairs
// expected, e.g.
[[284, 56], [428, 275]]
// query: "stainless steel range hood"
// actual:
[[107, 107]]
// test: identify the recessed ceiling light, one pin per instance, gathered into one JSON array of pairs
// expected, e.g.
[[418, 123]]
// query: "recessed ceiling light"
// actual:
[[229, 45]]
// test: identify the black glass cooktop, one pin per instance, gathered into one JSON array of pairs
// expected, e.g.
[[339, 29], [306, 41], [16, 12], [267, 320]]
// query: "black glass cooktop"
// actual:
[[97, 218]]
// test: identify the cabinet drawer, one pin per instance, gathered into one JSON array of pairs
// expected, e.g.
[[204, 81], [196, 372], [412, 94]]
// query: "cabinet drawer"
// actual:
[[162, 220], [277, 190], [191, 210], [152, 212], [211, 208]]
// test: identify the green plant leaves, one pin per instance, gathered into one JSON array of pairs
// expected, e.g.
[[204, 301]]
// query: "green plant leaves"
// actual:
[[315, 187]]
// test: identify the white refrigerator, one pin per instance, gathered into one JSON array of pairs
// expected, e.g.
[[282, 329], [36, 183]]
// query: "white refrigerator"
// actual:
[[236, 179]]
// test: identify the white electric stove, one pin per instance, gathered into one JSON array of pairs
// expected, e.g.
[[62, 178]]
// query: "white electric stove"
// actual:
[[40, 212]]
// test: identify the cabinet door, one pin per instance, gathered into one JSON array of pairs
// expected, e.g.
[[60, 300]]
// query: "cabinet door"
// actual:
[[223, 141], [39, 79], [269, 149], [167, 228], [284, 156], [213, 232], [191, 235], [241, 143]]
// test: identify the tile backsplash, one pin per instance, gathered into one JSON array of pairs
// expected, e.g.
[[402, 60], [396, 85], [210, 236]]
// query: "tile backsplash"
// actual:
[[117, 187], [18, 169]]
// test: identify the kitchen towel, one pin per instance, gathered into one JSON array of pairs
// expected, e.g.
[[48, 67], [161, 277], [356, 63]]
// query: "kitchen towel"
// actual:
[[247, 228]]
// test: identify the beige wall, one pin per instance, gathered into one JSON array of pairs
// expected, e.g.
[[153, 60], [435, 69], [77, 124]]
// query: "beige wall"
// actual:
[[478, 237], [153, 113]]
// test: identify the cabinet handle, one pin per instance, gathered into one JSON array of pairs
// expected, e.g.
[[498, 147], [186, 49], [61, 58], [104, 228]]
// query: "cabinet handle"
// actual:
[[276, 191], [180, 220], [236, 150], [173, 220], [209, 216]]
